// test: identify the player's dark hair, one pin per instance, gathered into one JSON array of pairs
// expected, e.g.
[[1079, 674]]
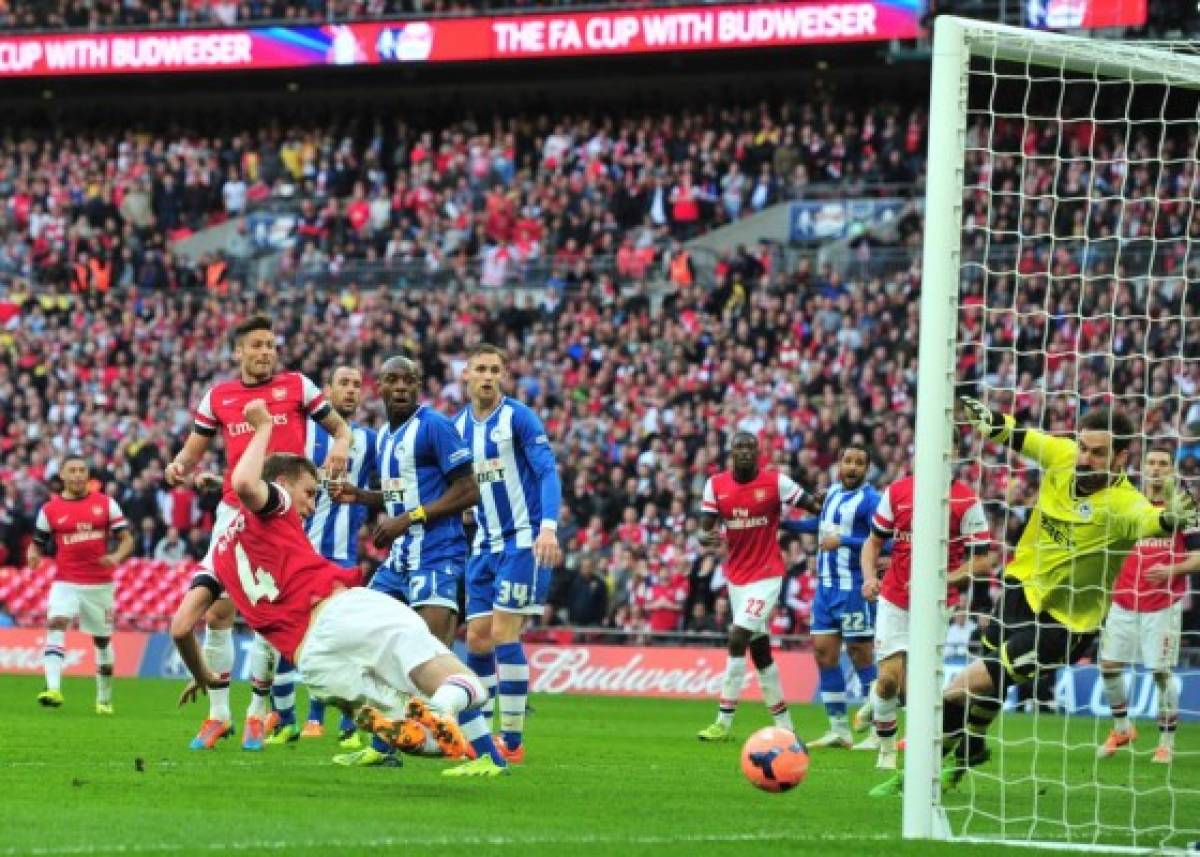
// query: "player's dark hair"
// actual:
[[251, 324], [861, 447], [1109, 420], [289, 466], [1165, 448], [67, 459], [347, 366], [486, 348]]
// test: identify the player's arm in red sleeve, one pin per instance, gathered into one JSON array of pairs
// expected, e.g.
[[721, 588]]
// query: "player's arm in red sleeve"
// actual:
[[882, 529], [977, 542], [710, 516], [120, 529], [188, 615], [204, 427], [317, 407], [247, 478], [43, 539]]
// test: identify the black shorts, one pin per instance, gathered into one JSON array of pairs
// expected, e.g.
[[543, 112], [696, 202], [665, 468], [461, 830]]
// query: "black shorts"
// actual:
[[1023, 642]]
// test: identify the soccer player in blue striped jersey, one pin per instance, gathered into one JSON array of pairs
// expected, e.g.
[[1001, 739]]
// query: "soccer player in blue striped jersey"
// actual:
[[426, 483], [516, 543], [840, 612], [333, 529]]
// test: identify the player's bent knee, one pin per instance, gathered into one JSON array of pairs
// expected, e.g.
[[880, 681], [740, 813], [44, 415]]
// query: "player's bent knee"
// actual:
[[58, 623], [220, 616], [479, 636]]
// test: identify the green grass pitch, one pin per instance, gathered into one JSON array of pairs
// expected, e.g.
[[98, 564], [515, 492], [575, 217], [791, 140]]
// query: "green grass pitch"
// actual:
[[604, 776]]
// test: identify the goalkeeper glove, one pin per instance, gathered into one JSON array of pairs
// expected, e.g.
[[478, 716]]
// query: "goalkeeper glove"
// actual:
[[978, 415], [1180, 512]]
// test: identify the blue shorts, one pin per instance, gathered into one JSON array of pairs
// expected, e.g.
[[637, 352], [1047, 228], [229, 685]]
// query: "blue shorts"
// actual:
[[843, 611], [510, 581], [434, 584]]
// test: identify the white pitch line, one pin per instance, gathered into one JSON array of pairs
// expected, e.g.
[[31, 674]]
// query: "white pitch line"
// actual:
[[438, 841]]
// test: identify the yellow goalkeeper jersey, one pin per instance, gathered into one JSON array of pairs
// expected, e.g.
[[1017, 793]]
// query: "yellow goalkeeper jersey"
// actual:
[[1073, 547]]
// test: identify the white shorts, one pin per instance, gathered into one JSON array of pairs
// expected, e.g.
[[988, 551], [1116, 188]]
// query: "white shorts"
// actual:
[[91, 602], [891, 630], [752, 603], [1151, 638], [362, 648], [221, 521]]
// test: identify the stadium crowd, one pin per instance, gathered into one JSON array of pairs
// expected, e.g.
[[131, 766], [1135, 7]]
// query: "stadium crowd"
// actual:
[[637, 398], [479, 201]]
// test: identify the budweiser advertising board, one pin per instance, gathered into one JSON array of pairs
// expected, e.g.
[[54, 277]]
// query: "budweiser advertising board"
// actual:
[[21, 652], [683, 673], [463, 39]]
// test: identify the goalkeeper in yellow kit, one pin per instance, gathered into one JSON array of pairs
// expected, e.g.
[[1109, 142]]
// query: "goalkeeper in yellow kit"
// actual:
[[1056, 588]]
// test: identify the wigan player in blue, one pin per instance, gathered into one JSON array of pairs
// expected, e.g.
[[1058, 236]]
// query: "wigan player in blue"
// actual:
[[333, 530], [427, 483], [516, 543], [840, 612]]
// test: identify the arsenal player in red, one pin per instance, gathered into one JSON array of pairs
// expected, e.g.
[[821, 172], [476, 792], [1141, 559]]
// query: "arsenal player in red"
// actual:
[[970, 543], [354, 646], [292, 399], [1145, 621], [77, 527], [749, 502]]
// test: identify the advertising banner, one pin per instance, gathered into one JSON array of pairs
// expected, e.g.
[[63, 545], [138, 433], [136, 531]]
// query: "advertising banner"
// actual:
[[680, 673], [833, 219], [21, 652], [1084, 14], [463, 39]]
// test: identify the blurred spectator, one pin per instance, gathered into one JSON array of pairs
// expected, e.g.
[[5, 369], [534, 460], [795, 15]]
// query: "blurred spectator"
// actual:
[[6, 618], [146, 540], [699, 620], [171, 547], [587, 597]]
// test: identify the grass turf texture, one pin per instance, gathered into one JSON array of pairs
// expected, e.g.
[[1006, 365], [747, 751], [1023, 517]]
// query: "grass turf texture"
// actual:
[[604, 776]]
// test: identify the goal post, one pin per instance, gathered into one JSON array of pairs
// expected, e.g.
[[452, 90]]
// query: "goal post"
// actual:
[[981, 69]]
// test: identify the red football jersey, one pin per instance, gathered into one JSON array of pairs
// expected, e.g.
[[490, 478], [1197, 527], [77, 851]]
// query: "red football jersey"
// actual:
[[1134, 592], [291, 398], [751, 512], [268, 567], [893, 519], [80, 529]]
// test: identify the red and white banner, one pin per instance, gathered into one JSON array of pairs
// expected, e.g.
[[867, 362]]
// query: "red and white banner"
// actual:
[[21, 652], [464, 39], [680, 673]]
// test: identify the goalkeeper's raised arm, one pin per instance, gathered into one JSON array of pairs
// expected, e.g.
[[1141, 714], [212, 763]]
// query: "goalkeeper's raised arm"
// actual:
[[1096, 461]]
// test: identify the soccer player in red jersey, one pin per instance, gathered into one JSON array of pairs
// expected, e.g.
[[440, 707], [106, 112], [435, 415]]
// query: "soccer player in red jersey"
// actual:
[[1144, 622], [749, 501], [77, 526], [357, 648], [291, 399], [970, 543]]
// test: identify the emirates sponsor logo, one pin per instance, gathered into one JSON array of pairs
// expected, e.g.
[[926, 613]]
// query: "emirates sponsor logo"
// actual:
[[570, 669], [238, 429]]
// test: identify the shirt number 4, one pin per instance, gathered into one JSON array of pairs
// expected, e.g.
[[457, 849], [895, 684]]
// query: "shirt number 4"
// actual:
[[257, 583]]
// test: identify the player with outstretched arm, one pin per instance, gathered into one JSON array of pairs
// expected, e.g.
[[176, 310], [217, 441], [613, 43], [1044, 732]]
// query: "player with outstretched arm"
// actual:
[[357, 648]]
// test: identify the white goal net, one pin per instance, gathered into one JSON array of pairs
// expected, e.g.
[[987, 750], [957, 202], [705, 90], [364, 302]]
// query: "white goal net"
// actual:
[[1060, 278]]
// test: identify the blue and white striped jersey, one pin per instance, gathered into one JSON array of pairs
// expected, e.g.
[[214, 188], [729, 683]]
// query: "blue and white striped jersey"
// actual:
[[848, 513], [519, 489], [333, 527], [415, 461]]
